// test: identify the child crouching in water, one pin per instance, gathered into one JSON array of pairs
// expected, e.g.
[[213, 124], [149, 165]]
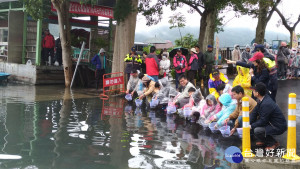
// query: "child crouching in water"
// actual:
[[228, 106], [195, 98], [211, 108]]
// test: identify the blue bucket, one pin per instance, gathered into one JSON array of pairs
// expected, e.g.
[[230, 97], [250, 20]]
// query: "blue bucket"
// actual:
[[154, 103], [128, 97], [138, 102]]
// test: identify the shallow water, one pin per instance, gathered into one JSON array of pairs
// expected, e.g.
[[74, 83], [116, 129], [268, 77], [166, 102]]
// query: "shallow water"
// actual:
[[50, 127]]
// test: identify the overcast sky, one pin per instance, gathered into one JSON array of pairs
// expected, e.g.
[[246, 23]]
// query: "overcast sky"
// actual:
[[287, 7]]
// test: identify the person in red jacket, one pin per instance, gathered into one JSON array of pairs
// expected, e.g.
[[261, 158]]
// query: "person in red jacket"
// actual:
[[48, 47], [180, 64], [152, 64]]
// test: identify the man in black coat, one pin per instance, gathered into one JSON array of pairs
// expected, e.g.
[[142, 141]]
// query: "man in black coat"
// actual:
[[200, 64], [266, 120]]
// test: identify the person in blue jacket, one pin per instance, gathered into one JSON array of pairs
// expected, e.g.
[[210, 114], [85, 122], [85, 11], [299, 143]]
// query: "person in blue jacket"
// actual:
[[100, 61], [228, 107], [266, 119]]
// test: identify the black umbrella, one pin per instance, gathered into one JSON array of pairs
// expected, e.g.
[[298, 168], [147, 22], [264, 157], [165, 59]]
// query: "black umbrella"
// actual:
[[184, 51]]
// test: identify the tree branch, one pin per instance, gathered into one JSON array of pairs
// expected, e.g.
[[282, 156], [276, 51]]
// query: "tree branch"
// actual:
[[284, 22], [273, 9], [193, 6], [296, 23]]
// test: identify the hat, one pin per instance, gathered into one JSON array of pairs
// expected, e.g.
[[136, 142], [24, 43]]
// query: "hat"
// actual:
[[283, 44], [257, 56], [215, 72], [194, 50], [247, 47], [102, 50], [179, 50], [209, 46], [133, 49], [258, 46], [47, 29]]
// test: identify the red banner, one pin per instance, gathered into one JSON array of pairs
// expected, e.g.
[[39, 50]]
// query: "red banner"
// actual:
[[89, 10], [113, 81]]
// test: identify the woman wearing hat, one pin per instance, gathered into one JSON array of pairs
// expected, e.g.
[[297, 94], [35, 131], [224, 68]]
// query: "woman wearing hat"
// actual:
[[193, 65]]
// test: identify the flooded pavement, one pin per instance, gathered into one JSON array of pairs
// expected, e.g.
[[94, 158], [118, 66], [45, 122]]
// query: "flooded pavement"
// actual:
[[50, 127]]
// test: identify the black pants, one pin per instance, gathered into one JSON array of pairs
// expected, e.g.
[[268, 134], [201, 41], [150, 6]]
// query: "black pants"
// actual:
[[200, 74], [99, 77], [281, 68], [191, 76], [260, 135], [58, 57], [46, 53], [208, 71]]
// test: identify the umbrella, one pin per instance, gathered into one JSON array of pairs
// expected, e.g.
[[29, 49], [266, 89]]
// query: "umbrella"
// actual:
[[173, 52]]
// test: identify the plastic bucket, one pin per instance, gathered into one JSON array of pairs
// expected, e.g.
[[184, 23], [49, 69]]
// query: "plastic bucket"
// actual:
[[187, 111], [171, 109], [128, 97], [240, 132], [225, 130], [154, 103], [138, 102], [212, 127]]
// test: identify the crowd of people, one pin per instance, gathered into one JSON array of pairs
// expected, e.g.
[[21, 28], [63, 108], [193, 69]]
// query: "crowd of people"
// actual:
[[256, 79]]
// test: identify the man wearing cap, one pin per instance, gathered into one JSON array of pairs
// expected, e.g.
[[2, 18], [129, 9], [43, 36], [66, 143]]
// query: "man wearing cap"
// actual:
[[48, 45], [100, 61], [266, 119], [132, 60], [152, 64], [209, 60], [180, 64], [216, 79]]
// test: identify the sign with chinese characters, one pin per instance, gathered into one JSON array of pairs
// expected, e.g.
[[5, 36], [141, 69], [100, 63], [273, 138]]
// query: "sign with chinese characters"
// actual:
[[89, 10], [113, 81]]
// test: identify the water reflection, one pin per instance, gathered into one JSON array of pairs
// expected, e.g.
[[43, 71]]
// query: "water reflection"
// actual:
[[167, 141], [81, 131]]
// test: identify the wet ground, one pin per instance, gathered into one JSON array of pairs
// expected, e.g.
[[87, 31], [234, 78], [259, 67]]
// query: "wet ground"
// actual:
[[50, 127]]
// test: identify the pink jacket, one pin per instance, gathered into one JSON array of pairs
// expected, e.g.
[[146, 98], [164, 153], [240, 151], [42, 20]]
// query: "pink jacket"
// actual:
[[209, 111], [177, 60]]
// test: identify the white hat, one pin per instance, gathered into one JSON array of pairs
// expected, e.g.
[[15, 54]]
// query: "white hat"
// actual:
[[194, 50], [102, 50]]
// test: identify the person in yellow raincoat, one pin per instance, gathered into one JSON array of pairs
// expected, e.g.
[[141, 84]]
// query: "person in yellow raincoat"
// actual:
[[243, 79]]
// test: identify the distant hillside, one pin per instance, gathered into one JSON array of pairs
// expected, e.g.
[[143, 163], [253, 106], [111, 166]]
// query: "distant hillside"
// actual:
[[228, 38]]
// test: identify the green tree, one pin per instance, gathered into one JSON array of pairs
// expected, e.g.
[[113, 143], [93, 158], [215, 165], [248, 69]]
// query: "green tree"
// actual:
[[261, 9], [207, 9], [177, 21], [188, 41]]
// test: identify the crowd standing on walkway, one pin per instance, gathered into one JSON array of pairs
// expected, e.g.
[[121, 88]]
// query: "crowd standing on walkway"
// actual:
[[256, 78]]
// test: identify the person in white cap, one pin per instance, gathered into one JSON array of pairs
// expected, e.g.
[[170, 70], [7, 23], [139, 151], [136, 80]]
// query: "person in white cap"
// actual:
[[100, 61], [193, 65]]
